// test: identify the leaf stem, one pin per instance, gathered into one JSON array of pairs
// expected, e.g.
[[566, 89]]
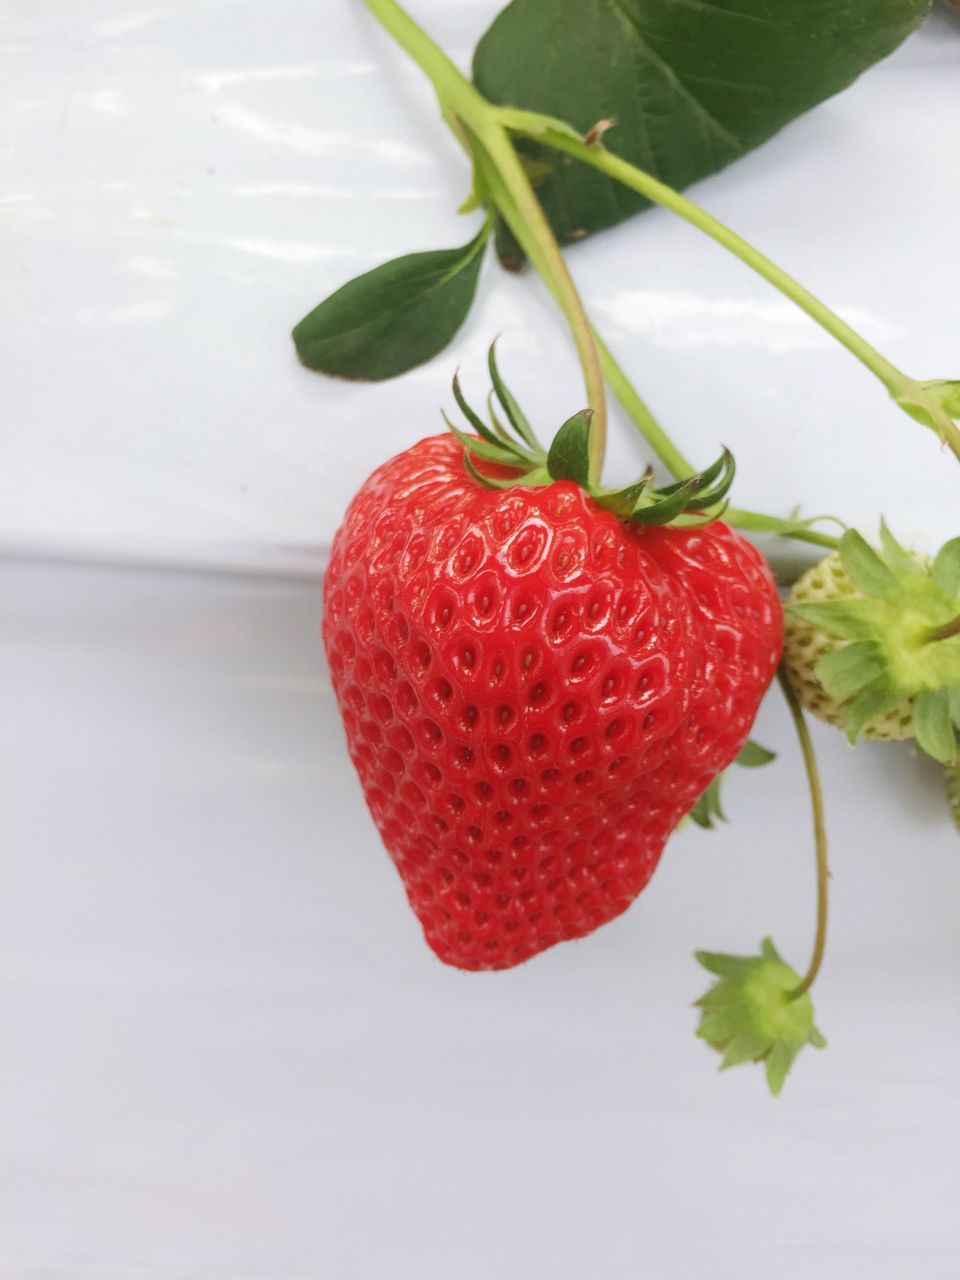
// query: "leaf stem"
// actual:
[[819, 833], [527, 220], [905, 390]]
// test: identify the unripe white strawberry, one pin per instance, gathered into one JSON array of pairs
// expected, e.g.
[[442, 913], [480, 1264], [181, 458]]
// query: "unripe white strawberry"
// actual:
[[872, 642], [804, 644]]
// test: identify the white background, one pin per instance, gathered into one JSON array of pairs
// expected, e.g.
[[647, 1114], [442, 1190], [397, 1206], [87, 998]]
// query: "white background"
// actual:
[[227, 1054]]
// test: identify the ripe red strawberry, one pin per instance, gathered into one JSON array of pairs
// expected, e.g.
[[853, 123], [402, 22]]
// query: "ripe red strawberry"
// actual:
[[534, 691]]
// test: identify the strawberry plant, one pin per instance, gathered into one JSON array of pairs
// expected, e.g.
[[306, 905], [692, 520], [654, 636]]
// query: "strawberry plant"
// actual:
[[541, 677]]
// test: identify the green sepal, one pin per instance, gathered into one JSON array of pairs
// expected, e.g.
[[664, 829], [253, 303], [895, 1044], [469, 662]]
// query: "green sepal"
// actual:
[[703, 496], [850, 668], [754, 756], [867, 571], [752, 1014], [946, 567], [623, 502], [933, 727], [846, 619], [662, 510], [708, 808], [488, 482], [875, 700], [569, 454], [495, 452], [478, 423], [897, 557], [515, 415]]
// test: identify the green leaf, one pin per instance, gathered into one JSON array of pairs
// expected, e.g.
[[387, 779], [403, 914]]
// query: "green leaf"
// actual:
[[946, 567], [692, 84], [753, 756], [954, 696], [569, 456], [932, 725], [847, 619], [864, 566], [850, 668], [394, 317]]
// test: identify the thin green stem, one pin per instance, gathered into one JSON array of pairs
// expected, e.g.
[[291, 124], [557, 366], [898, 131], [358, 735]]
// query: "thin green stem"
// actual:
[[528, 222], [946, 632], [819, 834], [909, 393], [483, 130]]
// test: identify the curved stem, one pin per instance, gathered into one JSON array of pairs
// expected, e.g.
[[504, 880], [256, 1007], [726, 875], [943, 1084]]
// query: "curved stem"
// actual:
[[905, 390], [819, 833], [483, 130], [946, 632], [529, 224]]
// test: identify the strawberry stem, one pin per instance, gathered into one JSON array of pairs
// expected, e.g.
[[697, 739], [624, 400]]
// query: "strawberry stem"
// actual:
[[460, 101], [905, 390], [819, 833], [484, 131], [946, 632]]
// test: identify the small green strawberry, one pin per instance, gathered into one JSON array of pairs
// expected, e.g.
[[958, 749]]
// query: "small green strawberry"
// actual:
[[873, 642]]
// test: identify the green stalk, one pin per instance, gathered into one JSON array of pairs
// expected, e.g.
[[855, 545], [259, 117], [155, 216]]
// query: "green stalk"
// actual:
[[819, 833], [458, 96], [905, 390], [483, 130]]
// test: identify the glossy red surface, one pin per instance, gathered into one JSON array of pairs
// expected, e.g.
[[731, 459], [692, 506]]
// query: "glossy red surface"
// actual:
[[534, 693]]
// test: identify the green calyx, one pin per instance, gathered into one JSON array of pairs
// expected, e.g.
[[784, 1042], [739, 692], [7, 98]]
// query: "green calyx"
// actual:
[[756, 1011], [513, 445], [901, 639]]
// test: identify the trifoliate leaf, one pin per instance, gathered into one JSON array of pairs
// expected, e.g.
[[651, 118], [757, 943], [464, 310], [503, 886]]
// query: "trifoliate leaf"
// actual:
[[933, 727], [845, 671], [864, 566], [569, 455], [752, 1014], [946, 567], [394, 317]]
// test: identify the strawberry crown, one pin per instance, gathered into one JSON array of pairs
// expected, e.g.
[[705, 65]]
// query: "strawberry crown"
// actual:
[[901, 630], [698, 499]]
